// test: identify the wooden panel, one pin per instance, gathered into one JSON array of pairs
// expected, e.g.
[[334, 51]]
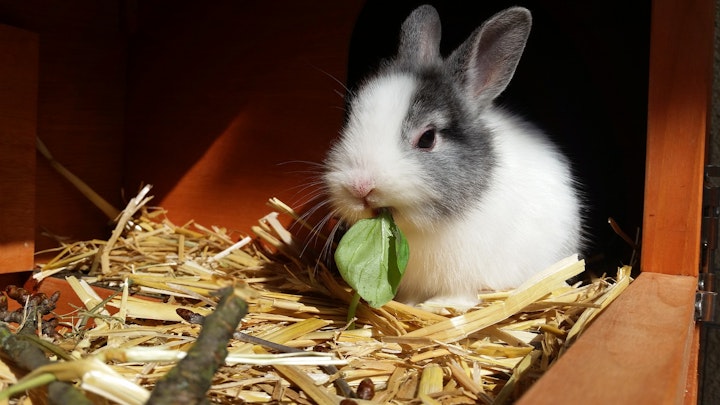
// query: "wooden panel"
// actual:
[[81, 119], [681, 57], [692, 384], [81, 106], [643, 349], [18, 113], [637, 352], [222, 94], [678, 110]]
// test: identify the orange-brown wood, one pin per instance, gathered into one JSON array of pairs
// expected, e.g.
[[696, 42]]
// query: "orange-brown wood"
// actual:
[[81, 108], [227, 98], [18, 112], [692, 384], [211, 112], [637, 352], [678, 114], [678, 110], [644, 348], [220, 95]]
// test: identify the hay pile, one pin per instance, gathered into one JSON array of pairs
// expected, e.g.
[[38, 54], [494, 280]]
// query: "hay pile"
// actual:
[[489, 355]]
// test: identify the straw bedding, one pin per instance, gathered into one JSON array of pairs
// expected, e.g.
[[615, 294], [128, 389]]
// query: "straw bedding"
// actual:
[[396, 354]]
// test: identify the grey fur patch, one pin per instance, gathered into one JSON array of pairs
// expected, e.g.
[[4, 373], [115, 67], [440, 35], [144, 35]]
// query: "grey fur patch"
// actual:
[[462, 166]]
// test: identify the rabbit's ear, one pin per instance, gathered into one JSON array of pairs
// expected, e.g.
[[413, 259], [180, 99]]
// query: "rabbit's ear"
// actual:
[[487, 60], [420, 37]]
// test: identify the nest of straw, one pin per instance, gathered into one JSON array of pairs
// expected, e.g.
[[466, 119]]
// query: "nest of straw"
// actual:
[[490, 354]]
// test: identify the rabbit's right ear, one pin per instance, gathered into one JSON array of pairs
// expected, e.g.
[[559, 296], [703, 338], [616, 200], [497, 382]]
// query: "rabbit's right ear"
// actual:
[[420, 37]]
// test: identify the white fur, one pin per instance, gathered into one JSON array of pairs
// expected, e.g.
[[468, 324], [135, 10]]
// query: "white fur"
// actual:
[[370, 150], [528, 216], [528, 220]]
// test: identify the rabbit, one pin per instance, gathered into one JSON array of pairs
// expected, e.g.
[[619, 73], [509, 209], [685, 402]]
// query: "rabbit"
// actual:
[[484, 199]]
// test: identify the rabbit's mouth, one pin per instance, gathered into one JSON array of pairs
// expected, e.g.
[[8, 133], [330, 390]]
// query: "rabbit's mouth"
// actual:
[[371, 201], [374, 210], [377, 211]]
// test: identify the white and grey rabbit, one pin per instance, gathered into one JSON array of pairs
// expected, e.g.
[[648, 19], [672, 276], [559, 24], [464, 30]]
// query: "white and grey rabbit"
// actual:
[[484, 198]]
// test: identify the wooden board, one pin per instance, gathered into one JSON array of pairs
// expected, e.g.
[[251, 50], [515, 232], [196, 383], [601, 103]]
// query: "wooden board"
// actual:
[[220, 118], [18, 112], [81, 109], [681, 59], [678, 109], [644, 349], [637, 352]]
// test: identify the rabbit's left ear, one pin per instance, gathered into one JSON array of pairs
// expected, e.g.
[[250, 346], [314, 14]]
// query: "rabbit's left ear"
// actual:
[[487, 60], [420, 37]]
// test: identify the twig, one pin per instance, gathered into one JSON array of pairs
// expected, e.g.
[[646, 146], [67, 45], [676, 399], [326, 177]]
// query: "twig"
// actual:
[[189, 381], [28, 357]]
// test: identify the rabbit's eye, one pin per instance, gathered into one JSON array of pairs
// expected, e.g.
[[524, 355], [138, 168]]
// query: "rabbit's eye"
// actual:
[[426, 140]]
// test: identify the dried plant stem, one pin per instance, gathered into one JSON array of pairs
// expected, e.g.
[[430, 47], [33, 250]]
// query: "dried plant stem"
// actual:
[[134, 205], [301, 379], [104, 206], [331, 370]]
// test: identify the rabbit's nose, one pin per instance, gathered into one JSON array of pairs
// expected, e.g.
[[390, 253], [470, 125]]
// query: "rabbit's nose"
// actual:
[[362, 187]]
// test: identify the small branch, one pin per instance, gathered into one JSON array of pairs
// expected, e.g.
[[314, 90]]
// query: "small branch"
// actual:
[[28, 357], [189, 381]]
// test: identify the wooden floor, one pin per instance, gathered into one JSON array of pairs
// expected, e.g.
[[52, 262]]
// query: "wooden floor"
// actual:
[[637, 352]]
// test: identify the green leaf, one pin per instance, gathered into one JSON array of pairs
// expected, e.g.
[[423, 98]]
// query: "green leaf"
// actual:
[[372, 257], [399, 254]]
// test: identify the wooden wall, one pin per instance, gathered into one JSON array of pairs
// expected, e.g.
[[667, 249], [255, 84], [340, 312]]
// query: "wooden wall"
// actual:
[[224, 96], [214, 103], [207, 101], [18, 111], [80, 107]]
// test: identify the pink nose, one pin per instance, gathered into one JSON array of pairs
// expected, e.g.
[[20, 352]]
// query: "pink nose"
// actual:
[[361, 188]]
